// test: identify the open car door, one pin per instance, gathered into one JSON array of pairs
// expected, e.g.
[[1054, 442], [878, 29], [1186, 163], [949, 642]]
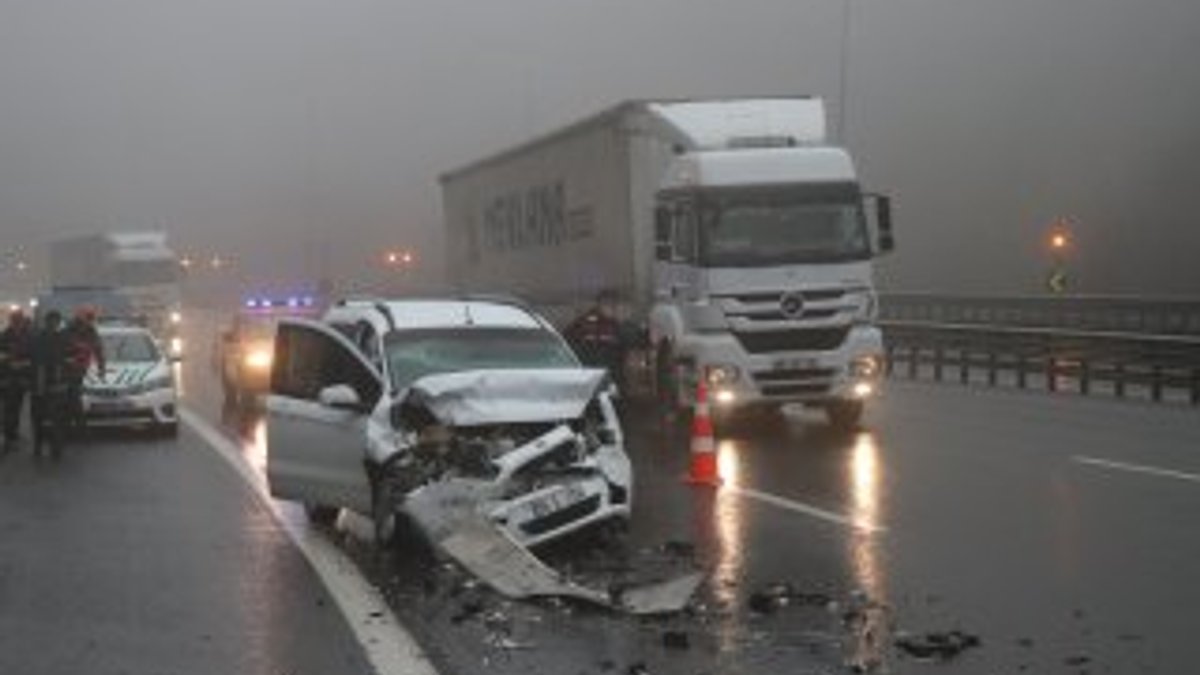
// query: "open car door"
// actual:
[[322, 393]]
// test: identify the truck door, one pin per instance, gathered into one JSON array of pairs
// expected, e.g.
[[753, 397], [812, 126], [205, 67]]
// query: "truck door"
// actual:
[[677, 250], [322, 394]]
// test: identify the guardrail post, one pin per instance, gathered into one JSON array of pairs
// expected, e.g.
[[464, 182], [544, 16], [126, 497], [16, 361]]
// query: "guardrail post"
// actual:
[[992, 368], [938, 358], [1119, 379], [1085, 377], [1156, 382], [888, 366], [1195, 386], [914, 358], [964, 365], [1051, 373], [1021, 368]]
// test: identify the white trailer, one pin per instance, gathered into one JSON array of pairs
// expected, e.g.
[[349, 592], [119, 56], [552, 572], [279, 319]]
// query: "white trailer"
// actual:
[[729, 229], [140, 266]]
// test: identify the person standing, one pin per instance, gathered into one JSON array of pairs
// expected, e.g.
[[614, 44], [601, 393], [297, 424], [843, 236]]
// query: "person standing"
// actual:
[[84, 349], [49, 402], [16, 362]]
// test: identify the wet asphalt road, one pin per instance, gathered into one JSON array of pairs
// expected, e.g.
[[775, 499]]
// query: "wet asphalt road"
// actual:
[[136, 555], [993, 517], [989, 518]]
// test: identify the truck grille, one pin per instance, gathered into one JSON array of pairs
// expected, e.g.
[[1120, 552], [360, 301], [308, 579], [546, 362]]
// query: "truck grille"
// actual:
[[795, 389], [794, 374], [804, 339]]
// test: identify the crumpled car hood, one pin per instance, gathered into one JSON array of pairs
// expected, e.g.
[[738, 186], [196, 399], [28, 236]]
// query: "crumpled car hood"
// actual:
[[479, 397]]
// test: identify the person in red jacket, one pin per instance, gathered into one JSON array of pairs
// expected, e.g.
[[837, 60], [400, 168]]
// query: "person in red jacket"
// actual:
[[84, 349]]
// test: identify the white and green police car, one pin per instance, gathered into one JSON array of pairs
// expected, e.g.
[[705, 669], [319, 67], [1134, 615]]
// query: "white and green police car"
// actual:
[[138, 388]]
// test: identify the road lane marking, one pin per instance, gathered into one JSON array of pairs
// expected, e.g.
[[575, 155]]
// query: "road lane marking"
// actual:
[[1138, 468], [805, 509], [389, 648]]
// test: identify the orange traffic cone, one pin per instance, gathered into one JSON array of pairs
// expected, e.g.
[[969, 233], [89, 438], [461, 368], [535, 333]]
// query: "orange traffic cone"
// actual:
[[703, 469]]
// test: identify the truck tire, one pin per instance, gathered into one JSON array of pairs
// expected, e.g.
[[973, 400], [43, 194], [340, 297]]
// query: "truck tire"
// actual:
[[844, 414]]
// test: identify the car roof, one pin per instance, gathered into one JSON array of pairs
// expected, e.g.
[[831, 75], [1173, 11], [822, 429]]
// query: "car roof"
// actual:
[[433, 314]]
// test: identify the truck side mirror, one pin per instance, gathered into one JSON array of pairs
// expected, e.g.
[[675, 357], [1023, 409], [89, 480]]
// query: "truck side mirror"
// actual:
[[886, 240]]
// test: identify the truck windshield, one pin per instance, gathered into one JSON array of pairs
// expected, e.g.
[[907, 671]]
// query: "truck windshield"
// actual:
[[782, 226], [414, 354]]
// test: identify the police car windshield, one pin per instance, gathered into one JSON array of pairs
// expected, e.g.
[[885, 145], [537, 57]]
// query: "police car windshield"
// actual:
[[414, 354], [129, 348]]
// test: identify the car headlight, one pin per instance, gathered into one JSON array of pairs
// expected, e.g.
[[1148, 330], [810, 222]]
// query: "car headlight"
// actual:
[[176, 317], [176, 346], [258, 359], [719, 374]]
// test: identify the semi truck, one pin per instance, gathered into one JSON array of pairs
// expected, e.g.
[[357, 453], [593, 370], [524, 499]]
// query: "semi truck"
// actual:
[[140, 267], [731, 230]]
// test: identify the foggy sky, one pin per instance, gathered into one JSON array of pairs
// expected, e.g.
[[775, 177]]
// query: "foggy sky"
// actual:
[[303, 136]]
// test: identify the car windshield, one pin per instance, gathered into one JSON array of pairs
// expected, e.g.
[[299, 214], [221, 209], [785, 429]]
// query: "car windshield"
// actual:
[[129, 348], [765, 227], [414, 354]]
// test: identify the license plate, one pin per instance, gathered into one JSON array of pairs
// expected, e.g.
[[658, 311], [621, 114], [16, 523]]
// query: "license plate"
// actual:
[[110, 406], [795, 364], [557, 501]]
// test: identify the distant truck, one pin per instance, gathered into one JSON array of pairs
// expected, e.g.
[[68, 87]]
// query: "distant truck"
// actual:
[[730, 230], [138, 266]]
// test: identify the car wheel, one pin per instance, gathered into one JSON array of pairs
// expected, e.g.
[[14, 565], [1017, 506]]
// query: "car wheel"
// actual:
[[321, 514], [844, 415]]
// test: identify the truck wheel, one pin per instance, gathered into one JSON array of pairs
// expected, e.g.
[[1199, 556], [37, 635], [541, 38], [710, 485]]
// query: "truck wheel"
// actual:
[[320, 514], [844, 415]]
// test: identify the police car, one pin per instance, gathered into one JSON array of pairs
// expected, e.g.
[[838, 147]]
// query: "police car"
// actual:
[[138, 387]]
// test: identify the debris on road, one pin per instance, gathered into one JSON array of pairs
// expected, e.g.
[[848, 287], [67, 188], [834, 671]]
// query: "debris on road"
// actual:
[[449, 514], [938, 645], [776, 596]]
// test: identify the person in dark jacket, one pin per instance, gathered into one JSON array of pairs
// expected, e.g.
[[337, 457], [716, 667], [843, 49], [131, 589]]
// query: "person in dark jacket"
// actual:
[[16, 372], [50, 362], [598, 337], [84, 349]]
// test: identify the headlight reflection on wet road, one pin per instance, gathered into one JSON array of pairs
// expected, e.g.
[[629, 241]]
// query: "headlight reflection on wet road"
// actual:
[[864, 476]]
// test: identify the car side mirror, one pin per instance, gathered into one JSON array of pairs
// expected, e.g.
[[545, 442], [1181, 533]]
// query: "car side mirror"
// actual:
[[340, 397]]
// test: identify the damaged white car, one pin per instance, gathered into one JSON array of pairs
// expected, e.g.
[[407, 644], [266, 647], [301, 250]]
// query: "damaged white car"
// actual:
[[480, 399]]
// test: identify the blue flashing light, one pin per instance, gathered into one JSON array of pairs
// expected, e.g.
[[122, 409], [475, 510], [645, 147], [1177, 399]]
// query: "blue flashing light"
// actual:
[[252, 304], [308, 301], [293, 302]]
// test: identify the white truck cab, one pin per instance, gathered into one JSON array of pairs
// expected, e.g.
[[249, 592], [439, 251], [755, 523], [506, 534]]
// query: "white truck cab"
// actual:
[[731, 230]]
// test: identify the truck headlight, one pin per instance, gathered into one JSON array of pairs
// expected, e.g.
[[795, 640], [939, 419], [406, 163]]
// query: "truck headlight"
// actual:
[[176, 346], [176, 317], [719, 374]]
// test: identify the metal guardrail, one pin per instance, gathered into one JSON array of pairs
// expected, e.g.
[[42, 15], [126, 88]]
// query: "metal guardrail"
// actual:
[[1054, 359], [1114, 314]]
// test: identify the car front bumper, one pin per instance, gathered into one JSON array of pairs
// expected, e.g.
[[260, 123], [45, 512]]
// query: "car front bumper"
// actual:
[[156, 407]]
